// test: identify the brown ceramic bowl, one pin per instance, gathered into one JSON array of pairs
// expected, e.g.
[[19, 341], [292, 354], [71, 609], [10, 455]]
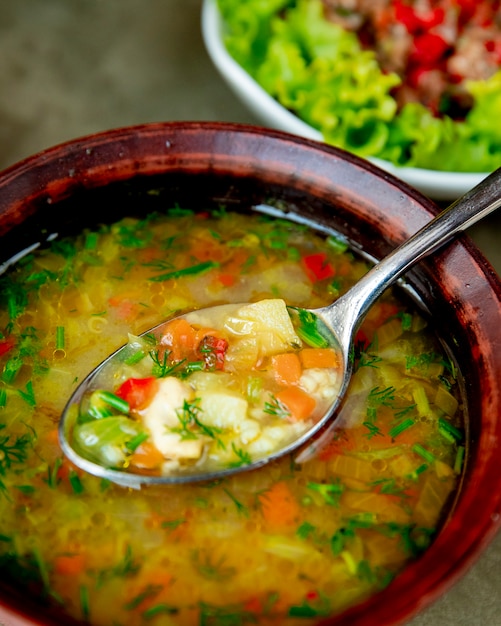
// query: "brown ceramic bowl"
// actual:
[[102, 176]]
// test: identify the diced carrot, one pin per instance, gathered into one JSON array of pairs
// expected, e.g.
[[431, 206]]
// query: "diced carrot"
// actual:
[[179, 339], [298, 402], [287, 368], [146, 456], [319, 357], [279, 506], [227, 280], [137, 391], [69, 564]]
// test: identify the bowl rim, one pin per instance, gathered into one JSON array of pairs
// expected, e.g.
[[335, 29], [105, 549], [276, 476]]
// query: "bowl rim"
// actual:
[[149, 148]]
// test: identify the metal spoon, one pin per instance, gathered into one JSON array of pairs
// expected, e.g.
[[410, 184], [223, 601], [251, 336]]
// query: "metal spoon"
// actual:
[[342, 318]]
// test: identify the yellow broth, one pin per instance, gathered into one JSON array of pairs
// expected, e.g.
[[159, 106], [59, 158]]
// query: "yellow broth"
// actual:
[[284, 544]]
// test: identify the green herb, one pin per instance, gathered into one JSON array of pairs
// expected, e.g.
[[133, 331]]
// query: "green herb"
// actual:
[[389, 486], [400, 428], [12, 452], [42, 568], [60, 340], [150, 591], [211, 569], [406, 320], [173, 524], [180, 212], [316, 607], [102, 401], [53, 479], [192, 270], [243, 458], [308, 327], [13, 296], [331, 492], [415, 474], [428, 456], [11, 369], [337, 243], [91, 240], [136, 441], [76, 483], [459, 460], [241, 508], [449, 431], [372, 428], [232, 615], [191, 425], [277, 408], [126, 567], [84, 603], [28, 395], [305, 530], [161, 367], [159, 609], [27, 490]]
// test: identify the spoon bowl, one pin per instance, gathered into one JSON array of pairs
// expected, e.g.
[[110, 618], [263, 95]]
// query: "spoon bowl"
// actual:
[[337, 323]]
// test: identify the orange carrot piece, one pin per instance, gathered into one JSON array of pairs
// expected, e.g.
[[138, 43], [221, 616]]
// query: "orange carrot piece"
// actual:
[[227, 280], [287, 368], [179, 338], [319, 357], [69, 564], [146, 456], [298, 402], [279, 506]]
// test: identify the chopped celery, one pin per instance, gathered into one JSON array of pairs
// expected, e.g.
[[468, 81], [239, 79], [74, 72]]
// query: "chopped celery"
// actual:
[[105, 441]]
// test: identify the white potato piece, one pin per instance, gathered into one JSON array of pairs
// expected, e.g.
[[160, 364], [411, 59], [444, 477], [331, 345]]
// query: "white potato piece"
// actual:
[[222, 410], [269, 321]]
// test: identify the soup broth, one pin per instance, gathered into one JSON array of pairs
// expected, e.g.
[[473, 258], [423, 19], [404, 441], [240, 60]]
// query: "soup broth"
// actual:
[[284, 544]]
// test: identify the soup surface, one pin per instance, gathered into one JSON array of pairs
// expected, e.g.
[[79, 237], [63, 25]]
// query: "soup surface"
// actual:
[[284, 544]]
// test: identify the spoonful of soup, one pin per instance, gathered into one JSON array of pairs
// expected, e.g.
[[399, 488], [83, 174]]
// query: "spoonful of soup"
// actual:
[[229, 388]]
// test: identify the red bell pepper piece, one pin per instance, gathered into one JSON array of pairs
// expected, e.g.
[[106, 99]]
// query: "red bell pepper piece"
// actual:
[[318, 267], [138, 392]]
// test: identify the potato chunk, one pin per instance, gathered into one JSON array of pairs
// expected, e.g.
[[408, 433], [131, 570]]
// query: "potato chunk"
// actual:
[[267, 320]]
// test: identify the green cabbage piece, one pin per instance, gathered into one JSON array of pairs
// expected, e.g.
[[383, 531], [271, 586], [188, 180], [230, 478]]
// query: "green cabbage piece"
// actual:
[[319, 72]]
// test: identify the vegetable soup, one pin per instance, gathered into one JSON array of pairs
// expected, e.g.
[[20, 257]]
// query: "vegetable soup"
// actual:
[[284, 544]]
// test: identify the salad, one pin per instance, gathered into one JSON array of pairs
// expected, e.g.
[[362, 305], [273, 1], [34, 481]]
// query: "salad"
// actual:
[[417, 84]]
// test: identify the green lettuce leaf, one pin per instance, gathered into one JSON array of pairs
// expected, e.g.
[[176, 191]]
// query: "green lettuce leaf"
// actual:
[[319, 72]]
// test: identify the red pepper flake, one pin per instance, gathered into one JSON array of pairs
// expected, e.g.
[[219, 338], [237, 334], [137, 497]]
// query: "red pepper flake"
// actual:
[[213, 351], [318, 267]]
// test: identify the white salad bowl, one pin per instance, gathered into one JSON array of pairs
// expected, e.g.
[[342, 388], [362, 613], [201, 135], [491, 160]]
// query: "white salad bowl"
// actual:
[[437, 184]]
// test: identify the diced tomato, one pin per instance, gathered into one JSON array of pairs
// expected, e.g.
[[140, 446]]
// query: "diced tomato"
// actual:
[[138, 392], [317, 266], [429, 49]]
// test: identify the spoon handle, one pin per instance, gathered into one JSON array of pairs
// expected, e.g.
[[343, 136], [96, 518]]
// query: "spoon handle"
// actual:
[[348, 311]]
